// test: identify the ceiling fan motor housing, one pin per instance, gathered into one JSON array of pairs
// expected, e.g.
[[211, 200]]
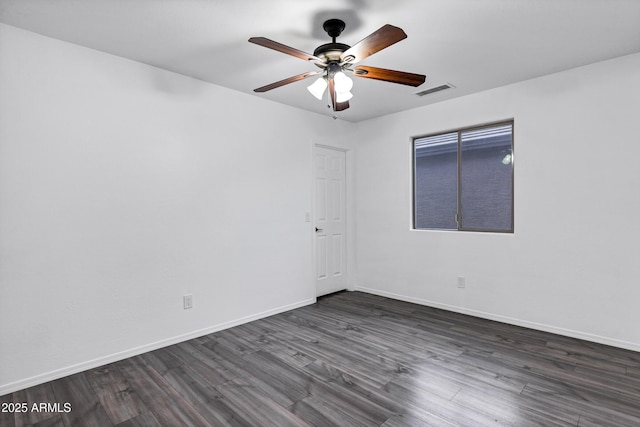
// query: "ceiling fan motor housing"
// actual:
[[330, 51]]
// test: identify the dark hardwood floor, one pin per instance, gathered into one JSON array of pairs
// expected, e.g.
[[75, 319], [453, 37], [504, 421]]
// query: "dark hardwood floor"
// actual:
[[353, 359]]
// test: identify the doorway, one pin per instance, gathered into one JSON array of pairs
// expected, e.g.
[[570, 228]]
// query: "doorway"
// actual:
[[330, 220]]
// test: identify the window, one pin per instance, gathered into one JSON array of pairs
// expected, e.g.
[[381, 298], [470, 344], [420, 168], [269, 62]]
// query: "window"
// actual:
[[463, 180]]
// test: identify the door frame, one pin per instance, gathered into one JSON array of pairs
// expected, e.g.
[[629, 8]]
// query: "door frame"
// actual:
[[349, 217]]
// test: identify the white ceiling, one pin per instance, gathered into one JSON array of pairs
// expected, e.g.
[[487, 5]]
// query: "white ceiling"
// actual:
[[473, 44]]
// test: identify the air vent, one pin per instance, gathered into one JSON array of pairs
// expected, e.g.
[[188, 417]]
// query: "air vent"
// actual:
[[435, 89]]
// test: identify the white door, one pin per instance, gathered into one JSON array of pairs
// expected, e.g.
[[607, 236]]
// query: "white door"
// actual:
[[330, 221]]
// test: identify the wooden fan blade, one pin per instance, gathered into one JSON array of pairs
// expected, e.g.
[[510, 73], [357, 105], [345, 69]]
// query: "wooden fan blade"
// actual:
[[374, 42], [287, 81], [392, 76], [337, 106], [262, 41], [340, 106]]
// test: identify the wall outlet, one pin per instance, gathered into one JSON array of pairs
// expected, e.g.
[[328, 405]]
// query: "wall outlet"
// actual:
[[187, 301], [461, 282]]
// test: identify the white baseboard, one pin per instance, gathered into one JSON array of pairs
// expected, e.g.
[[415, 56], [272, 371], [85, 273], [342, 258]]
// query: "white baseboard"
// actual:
[[91, 364], [627, 345]]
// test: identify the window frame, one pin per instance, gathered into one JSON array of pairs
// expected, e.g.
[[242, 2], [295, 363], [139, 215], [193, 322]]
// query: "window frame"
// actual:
[[459, 213]]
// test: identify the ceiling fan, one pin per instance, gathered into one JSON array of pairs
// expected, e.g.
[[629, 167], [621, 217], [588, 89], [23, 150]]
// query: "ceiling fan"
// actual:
[[335, 59]]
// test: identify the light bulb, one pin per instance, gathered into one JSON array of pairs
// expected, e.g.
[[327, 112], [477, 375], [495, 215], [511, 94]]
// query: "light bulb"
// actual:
[[318, 87], [343, 96], [342, 82]]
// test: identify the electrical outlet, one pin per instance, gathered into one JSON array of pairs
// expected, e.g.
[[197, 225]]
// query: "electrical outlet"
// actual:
[[187, 301], [461, 282]]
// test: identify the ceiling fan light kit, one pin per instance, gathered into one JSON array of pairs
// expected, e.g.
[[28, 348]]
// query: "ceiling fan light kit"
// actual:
[[318, 87], [335, 60]]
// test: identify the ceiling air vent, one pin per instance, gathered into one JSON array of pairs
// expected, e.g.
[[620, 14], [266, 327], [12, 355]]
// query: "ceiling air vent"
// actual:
[[435, 89]]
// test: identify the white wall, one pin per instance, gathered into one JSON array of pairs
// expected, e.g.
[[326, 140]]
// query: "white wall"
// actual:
[[123, 187], [572, 264]]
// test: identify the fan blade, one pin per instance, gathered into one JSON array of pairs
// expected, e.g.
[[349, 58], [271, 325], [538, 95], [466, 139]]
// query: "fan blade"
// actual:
[[337, 106], [374, 42], [341, 106], [287, 81], [392, 76], [262, 41]]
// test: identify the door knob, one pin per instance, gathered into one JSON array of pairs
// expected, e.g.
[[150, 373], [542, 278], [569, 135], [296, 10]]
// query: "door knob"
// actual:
[[318, 229]]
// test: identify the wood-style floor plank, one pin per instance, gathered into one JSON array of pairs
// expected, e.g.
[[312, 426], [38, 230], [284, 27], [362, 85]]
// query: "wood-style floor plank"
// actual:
[[166, 403], [353, 359], [256, 407], [36, 394], [86, 409], [115, 394], [146, 419], [8, 416]]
